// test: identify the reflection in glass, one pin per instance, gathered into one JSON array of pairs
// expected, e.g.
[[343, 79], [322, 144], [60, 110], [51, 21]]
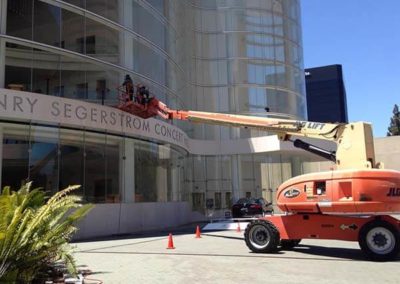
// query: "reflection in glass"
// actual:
[[105, 8], [72, 32], [112, 170], [47, 23], [79, 3], [72, 161], [44, 158], [148, 173], [15, 156], [46, 73], [96, 181], [19, 18]]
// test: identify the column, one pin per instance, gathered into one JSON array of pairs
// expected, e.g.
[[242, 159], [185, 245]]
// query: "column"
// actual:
[[162, 185], [236, 178], [126, 39], [175, 183]]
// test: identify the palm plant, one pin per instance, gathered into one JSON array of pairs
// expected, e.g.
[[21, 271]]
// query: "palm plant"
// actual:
[[35, 231]]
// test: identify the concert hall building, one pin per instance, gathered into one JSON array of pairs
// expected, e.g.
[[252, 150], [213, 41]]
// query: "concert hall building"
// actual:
[[61, 63]]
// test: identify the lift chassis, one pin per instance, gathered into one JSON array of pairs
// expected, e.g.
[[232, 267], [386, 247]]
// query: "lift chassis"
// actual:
[[353, 202], [378, 236]]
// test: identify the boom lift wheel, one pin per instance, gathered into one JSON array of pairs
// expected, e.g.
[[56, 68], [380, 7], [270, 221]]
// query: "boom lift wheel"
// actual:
[[262, 236], [379, 240]]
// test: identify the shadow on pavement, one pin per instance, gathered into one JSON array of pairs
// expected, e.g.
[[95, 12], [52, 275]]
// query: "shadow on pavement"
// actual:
[[277, 255], [343, 253], [183, 230], [225, 237]]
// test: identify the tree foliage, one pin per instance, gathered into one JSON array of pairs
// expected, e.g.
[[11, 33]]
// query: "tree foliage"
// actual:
[[394, 127], [35, 231]]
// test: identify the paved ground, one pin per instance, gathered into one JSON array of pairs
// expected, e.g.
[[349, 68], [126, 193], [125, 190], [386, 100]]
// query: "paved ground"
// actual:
[[222, 257]]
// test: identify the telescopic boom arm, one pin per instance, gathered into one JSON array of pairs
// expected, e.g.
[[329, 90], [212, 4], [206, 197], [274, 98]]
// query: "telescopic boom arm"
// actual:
[[355, 147]]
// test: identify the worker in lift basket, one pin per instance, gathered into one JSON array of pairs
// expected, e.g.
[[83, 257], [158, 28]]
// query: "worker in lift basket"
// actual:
[[143, 94], [129, 89]]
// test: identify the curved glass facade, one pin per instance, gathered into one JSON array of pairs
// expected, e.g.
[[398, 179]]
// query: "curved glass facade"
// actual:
[[246, 57], [82, 49], [233, 56], [109, 168]]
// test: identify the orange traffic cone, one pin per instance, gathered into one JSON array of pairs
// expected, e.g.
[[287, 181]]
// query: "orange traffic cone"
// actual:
[[198, 232], [238, 228], [170, 242]]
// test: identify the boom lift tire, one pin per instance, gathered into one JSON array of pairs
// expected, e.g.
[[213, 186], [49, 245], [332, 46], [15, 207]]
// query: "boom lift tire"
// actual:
[[289, 244], [262, 236], [379, 240]]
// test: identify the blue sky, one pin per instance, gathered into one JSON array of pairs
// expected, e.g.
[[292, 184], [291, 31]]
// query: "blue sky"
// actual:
[[363, 36]]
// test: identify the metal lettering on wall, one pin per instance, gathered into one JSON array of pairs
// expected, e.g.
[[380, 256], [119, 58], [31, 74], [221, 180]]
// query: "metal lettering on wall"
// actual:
[[24, 106]]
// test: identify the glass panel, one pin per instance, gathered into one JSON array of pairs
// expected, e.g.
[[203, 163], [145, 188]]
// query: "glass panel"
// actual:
[[247, 174], [176, 172], [198, 202], [96, 182], [100, 41], [148, 172], [15, 155], [279, 49], [105, 8], [106, 86], [217, 198], [112, 169], [158, 4], [209, 20], [44, 158], [74, 83], [72, 159], [228, 200], [18, 69], [212, 168], [47, 23], [150, 64], [278, 24], [19, 18], [79, 3], [46, 73], [72, 32]]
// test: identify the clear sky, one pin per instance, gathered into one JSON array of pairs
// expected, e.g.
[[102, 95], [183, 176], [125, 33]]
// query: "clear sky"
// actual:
[[364, 37]]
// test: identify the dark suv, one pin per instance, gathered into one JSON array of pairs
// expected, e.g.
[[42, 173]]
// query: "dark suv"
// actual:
[[250, 207]]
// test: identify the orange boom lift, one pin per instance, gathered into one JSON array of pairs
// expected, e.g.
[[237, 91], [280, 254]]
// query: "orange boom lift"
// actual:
[[352, 202]]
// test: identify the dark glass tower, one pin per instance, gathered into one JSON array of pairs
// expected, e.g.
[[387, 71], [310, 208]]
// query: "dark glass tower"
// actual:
[[326, 94]]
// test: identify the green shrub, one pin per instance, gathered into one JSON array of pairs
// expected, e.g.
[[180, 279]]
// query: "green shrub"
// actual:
[[35, 231]]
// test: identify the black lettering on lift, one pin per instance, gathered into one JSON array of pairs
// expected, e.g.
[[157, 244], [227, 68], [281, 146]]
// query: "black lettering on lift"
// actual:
[[393, 192]]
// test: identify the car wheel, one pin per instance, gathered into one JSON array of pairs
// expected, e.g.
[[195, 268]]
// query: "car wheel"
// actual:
[[379, 240], [261, 236], [289, 244]]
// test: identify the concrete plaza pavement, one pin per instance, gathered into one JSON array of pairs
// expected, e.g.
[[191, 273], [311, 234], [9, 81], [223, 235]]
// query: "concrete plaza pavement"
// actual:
[[223, 257]]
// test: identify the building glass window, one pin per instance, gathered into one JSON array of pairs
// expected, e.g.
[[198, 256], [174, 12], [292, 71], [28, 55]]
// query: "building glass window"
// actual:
[[15, 169], [96, 181], [112, 165], [198, 201], [217, 198], [20, 18], [44, 158], [46, 23], [72, 159], [228, 200]]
